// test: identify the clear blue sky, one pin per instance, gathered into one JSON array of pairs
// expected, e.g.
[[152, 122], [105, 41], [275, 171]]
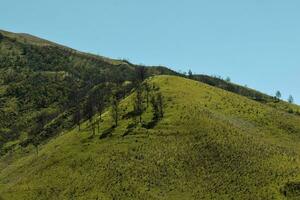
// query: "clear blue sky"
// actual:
[[255, 42]]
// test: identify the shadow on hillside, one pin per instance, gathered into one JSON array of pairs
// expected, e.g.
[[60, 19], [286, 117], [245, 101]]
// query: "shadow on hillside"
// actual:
[[107, 133], [291, 190], [150, 124]]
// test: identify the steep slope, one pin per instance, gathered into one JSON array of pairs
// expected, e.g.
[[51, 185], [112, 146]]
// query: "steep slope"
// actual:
[[210, 144], [41, 79]]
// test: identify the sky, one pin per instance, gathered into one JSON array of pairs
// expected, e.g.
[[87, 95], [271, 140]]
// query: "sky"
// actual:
[[254, 42]]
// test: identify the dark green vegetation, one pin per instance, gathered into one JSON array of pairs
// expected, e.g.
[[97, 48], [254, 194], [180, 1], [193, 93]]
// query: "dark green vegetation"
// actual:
[[42, 84], [140, 137]]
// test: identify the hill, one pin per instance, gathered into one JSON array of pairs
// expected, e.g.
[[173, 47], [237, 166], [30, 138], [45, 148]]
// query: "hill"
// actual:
[[208, 144], [42, 83]]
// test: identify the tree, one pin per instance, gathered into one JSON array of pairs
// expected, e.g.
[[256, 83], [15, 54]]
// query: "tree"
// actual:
[[115, 109], [155, 108], [190, 74], [74, 100], [90, 111], [278, 94], [160, 104], [157, 105], [100, 104], [291, 99], [41, 120], [74, 96], [77, 117], [147, 89], [138, 103], [227, 79], [141, 73]]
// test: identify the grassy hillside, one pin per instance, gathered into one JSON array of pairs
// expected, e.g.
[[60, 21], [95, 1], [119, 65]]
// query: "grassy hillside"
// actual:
[[210, 144], [42, 79], [249, 93], [39, 78]]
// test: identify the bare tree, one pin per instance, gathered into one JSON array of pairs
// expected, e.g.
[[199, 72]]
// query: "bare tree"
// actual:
[[90, 111], [35, 134], [138, 103], [100, 104]]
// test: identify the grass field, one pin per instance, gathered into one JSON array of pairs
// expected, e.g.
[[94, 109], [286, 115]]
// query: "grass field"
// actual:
[[210, 144]]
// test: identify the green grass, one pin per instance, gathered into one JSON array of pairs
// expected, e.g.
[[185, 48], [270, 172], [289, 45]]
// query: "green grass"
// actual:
[[211, 144], [37, 74]]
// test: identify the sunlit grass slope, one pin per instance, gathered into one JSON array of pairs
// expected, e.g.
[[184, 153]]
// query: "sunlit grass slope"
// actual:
[[211, 144]]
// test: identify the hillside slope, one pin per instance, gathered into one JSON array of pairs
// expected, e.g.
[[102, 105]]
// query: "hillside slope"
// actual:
[[210, 144], [41, 79], [42, 84], [248, 92]]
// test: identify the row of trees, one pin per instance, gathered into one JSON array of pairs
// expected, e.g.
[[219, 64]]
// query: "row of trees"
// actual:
[[94, 103], [145, 95], [148, 95], [110, 95]]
